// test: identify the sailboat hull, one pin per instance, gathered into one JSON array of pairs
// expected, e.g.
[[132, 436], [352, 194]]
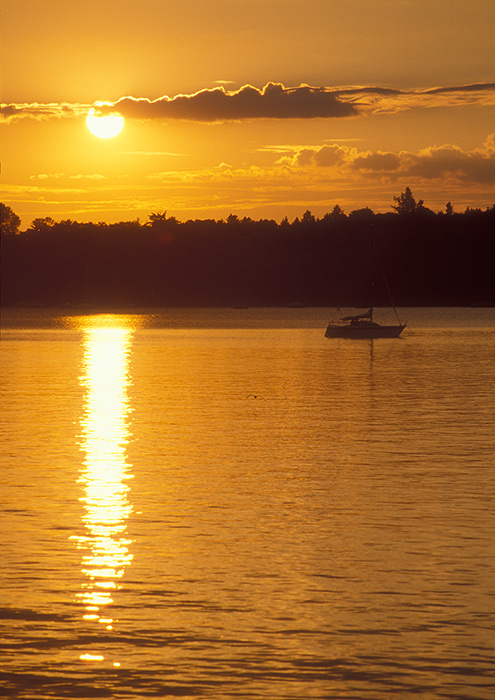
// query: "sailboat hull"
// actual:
[[363, 331]]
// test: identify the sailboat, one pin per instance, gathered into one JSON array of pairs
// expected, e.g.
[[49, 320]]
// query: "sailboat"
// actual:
[[363, 325]]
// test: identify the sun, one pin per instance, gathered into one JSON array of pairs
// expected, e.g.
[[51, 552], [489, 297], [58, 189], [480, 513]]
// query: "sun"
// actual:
[[104, 126]]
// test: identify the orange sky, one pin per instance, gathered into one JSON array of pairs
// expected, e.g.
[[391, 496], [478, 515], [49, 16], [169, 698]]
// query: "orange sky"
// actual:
[[262, 108]]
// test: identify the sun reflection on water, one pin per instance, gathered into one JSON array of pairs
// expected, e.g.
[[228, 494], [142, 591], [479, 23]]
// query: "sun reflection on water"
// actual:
[[104, 435]]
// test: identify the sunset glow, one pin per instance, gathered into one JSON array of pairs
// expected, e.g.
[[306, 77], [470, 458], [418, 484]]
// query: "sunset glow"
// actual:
[[104, 126], [346, 104], [247, 339]]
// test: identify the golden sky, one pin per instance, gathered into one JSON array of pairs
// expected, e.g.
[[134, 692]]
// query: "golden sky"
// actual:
[[262, 108]]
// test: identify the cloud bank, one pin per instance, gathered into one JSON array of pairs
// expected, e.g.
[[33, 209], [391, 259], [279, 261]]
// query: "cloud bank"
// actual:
[[273, 101], [446, 162]]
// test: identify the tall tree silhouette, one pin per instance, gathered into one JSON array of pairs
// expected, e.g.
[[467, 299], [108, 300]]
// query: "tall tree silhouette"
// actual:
[[9, 220], [406, 204]]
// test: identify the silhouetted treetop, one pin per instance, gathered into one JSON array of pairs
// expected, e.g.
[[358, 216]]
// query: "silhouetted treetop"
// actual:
[[364, 213], [406, 203], [9, 221], [41, 225], [308, 217]]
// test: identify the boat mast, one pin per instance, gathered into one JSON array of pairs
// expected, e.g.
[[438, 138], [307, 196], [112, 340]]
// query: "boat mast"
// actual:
[[386, 284], [372, 290]]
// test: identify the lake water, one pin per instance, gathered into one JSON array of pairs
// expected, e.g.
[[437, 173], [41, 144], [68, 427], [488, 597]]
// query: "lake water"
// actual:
[[225, 504]]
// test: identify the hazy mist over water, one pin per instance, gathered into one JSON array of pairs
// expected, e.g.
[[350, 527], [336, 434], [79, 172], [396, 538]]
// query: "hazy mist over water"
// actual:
[[223, 503]]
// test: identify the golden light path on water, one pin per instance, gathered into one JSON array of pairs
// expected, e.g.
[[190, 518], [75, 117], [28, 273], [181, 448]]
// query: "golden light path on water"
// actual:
[[106, 472]]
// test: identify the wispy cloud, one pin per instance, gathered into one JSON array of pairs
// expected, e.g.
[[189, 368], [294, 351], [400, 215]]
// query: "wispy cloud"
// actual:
[[151, 153], [474, 87], [41, 112], [63, 176], [292, 147], [379, 100]]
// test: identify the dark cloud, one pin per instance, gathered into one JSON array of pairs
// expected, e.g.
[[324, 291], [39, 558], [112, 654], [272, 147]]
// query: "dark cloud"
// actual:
[[451, 162], [369, 90], [377, 162], [474, 87], [448, 162], [324, 157], [274, 101]]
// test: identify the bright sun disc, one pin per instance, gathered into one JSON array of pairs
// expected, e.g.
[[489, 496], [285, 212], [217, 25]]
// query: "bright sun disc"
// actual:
[[104, 126]]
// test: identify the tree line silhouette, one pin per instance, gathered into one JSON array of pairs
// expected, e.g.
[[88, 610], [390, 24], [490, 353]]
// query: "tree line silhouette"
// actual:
[[443, 258]]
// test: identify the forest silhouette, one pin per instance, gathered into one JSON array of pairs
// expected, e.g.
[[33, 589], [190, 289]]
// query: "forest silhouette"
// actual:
[[430, 258]]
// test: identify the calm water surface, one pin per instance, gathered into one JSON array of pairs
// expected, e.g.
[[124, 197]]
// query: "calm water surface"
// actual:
[[225, 504]]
